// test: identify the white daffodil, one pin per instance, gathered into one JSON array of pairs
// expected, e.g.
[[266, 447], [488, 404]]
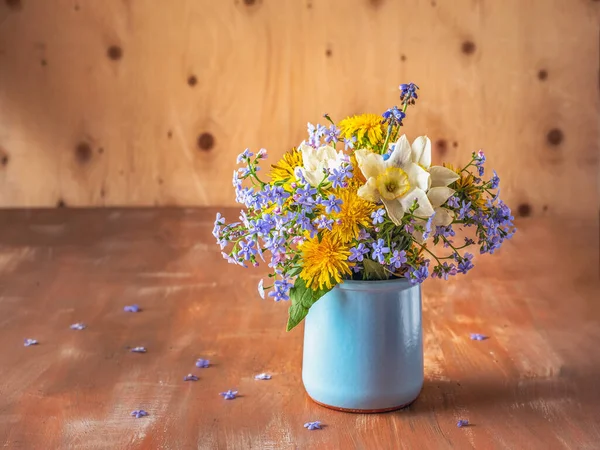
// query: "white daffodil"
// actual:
[[440, 178], [397, 181], [317, 161]]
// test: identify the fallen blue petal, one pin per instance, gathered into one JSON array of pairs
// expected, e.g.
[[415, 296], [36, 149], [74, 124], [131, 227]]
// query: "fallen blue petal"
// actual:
[[139, 413], [202, 363], [29, 342], [131, 308], [190, 377], [316, 425], [478, 337], [462, 423], [138, 349], [78, 326], [262, 376], [229, 395]]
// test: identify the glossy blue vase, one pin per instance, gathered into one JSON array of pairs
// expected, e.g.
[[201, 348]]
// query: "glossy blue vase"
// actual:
[[363, 346]]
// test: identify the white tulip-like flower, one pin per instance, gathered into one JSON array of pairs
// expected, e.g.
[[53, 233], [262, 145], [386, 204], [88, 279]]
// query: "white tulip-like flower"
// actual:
[[317, 161]]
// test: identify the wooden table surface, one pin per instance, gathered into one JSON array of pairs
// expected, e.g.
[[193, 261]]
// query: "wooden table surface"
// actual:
[[534, 384]]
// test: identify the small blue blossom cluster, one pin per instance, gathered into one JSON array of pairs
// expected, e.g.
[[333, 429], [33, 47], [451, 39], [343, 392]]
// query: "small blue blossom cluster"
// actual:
[[473, 206], [262, 376], [393, 116], [202, 363], [479, 161], [321, 135], [316, 425], [389, 256], [408, 93], [478, 337], [229, 395], [139, 413], [267, 226], [138, 350]]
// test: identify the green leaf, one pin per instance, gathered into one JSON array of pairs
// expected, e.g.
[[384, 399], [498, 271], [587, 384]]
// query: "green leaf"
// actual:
[[374, 270], [297, 314], [294, 271], [302, 299]]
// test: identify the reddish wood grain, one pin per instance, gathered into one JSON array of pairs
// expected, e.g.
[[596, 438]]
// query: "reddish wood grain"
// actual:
[[533, 384]]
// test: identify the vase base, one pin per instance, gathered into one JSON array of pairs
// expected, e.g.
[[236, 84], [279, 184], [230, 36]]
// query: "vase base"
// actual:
[[363, 411]]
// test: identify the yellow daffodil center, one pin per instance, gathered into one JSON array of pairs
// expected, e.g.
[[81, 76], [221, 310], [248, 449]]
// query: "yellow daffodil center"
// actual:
[[392, 183]]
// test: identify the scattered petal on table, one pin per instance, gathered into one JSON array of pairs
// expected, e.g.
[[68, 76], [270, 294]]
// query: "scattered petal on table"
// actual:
[[316, 425], [190, 377], [139, 413], [229, 395], [132, 308], [262, 376], [202, 363], [138, 349], [478, 337], [462, 423], [29, 342], [78, 326]]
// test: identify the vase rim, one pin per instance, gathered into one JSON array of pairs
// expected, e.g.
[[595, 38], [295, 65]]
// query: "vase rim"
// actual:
[[375, 284]]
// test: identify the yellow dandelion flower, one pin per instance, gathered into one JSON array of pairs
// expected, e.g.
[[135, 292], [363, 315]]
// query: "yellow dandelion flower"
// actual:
[[368, 125], [325, 262], [354, 212], [283, 172], [466, 183]]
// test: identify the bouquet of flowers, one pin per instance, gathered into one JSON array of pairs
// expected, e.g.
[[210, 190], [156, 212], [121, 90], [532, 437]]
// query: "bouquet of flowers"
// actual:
[[358, 201]]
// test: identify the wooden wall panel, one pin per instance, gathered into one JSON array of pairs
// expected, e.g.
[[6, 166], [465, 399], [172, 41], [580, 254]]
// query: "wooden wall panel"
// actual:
[[143, 102]]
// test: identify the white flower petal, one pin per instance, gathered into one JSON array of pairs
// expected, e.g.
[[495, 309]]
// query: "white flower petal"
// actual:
[[417, 176], [309, 157], [369, 191], [442, 176], [425, 209], [401, 154], [371, 164], [421, 151], [313, 177], [394, 209], [443, 217], [439, 195], [327, 155]]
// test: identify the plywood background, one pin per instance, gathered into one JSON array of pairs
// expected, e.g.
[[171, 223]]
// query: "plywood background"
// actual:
[[146, 102]]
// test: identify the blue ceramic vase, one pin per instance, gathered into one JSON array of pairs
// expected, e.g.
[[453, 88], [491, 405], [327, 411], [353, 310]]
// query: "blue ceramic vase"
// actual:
[[363, 346]]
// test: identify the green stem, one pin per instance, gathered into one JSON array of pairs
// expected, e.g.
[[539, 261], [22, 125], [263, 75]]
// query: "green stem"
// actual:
[[468, 165], [253, 173], [329, 118], [461, 247], [429, 251], [450, 245], [387, 138], [395, 138]]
